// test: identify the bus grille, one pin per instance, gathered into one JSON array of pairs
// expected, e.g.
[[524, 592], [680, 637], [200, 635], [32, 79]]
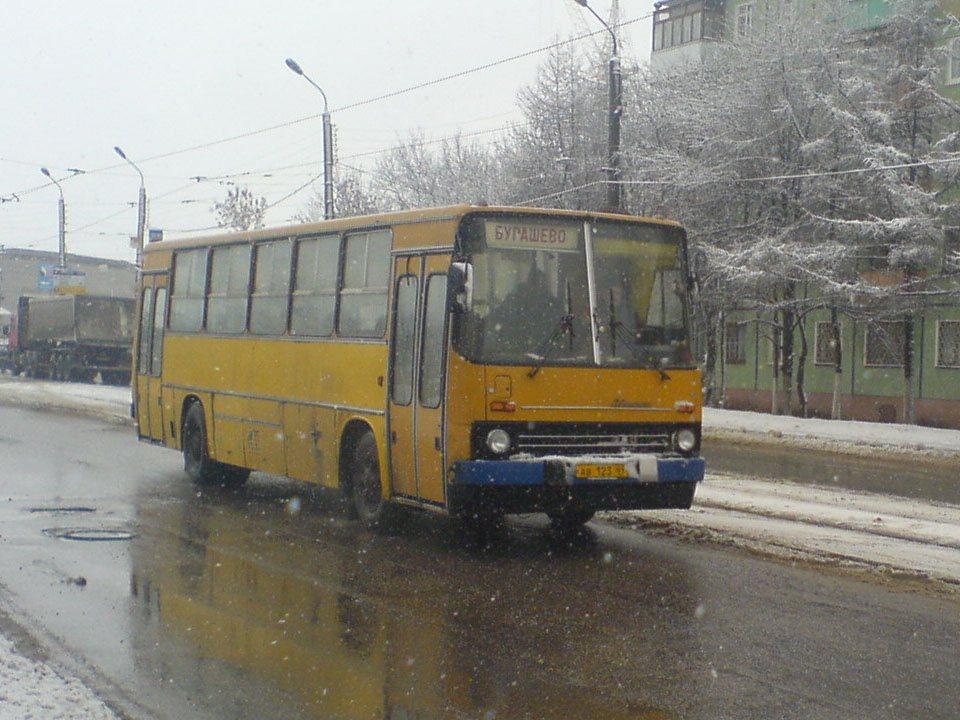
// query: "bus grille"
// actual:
[[601, 443]]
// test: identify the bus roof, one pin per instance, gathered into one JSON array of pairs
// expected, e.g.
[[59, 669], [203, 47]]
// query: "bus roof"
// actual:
[[361, 222]]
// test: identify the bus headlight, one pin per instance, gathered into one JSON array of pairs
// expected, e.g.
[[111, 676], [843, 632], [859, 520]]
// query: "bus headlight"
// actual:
[[498, 441], [685, 440]]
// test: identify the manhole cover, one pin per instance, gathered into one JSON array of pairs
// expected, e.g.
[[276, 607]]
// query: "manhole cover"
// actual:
[[90, 534], [75, 509]]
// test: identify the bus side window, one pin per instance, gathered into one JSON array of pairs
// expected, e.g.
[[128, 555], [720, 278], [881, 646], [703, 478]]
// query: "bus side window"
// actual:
[[189, 288], [146, 332], [363, 296], [227, 299], [271, 285], [431, 358], [315, 286]]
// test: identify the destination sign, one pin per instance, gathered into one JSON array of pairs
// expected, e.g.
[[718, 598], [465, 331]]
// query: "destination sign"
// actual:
[[530, 236]]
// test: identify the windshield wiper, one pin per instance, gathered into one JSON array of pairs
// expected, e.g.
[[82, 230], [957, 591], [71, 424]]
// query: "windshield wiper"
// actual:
[[618, 329], [549, 346]]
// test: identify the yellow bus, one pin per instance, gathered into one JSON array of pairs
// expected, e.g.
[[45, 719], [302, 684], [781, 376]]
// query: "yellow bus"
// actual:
[[469, 360]]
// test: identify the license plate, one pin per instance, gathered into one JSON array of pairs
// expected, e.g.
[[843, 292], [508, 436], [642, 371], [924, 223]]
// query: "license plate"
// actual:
[[601, 471]]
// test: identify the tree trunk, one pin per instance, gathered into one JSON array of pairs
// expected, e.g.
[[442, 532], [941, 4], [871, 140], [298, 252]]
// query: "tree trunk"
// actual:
[[837, 364], [801, 366], [909, 398], [775, 393], [786, 367]]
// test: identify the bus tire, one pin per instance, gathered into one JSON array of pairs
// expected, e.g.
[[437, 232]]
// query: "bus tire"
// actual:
[[366, 485], [196, 458]]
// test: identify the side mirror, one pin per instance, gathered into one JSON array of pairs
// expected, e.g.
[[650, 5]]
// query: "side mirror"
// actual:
[[460, 283]]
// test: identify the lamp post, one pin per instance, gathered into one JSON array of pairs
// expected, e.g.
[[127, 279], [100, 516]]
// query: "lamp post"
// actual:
[[62, 213], [613, 118], [327, 143], [141, 204]]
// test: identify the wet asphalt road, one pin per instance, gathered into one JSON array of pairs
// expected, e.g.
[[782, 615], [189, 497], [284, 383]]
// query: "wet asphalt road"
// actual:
[[269, 603]]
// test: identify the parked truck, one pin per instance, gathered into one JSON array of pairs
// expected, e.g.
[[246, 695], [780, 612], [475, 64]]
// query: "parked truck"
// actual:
[[71, 337]]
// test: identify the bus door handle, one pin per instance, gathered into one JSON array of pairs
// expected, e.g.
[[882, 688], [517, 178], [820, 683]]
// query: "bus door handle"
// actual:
[[393, 437], [437, 445]]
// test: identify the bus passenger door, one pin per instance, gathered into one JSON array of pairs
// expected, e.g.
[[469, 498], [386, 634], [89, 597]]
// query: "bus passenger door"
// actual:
[[416, 377], [403, 350], [431, 361], [147, 378]]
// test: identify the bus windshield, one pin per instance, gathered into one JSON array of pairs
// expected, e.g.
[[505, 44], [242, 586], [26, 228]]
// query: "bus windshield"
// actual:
[[549, 291]]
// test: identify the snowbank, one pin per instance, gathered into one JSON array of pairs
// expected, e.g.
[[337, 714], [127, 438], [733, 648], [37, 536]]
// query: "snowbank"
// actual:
[[30, 690]]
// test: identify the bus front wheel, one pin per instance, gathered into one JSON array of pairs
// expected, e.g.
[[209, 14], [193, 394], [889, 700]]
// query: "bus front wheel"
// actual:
[[365, 483], [196, 457]]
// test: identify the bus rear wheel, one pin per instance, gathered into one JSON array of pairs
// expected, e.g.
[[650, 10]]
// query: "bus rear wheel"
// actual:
[[197, 462], [366, 488]]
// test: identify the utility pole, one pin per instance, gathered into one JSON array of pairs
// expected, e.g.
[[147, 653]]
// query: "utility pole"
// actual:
[[141, 206], [62, 215], [327, 143], [615, 110]]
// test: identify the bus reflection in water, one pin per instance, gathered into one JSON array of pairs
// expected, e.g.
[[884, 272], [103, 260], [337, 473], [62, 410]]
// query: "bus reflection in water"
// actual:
[[330, 625], [465, 360]]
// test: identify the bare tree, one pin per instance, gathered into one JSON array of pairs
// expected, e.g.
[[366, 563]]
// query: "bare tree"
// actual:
[[240, 210]]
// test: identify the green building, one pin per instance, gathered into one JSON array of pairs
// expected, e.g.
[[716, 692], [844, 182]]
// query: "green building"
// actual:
[[876, 377]]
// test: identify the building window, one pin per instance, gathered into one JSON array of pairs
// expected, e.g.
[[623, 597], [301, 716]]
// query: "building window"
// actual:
[[948, 343], [826, 348], [744, 21], [953, 61], [787, 12], [735, 345], [883, 346], [678, 24]]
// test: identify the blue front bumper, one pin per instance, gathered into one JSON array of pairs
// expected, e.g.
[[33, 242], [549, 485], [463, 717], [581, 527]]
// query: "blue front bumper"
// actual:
[[633, 470]]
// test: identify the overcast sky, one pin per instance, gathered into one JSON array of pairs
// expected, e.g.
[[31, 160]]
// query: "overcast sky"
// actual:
[[174, 83]]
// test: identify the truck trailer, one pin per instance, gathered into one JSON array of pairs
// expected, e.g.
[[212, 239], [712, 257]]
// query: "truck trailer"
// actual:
[[71, 337]]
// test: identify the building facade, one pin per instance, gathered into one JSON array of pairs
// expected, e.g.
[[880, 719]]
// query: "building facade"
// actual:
[[856, 369], [30, 272]]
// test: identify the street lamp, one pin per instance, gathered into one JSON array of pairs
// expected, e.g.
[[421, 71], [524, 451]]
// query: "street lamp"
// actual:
[[141, 204], [613, 119], [327, 143], [62, 214]]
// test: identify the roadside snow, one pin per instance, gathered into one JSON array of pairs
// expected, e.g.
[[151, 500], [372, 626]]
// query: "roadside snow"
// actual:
[[850, 435], [30, 690], [886, 534]]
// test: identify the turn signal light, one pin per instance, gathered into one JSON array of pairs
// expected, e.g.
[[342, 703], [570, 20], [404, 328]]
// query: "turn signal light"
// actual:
[[684, 406], [503, 406]]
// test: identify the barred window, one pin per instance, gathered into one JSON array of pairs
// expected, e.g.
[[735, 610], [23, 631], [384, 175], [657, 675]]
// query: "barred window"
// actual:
[[826, 349], [735, 346], [948, 343], [884, 344]]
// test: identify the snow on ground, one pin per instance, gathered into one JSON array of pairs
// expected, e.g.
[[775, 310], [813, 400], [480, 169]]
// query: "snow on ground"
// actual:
[[848, 435], [30, 690]]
